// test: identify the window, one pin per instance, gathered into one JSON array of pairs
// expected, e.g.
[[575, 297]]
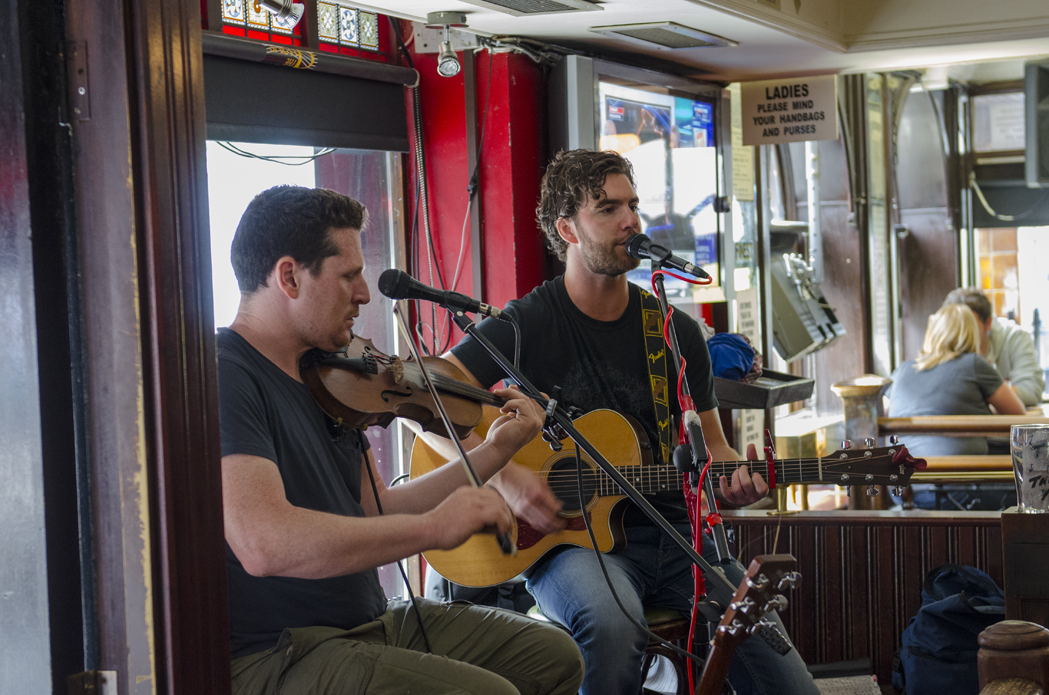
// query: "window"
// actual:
[[373, 178]]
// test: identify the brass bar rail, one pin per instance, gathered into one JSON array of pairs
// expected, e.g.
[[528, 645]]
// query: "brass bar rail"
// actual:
[[957, 425]]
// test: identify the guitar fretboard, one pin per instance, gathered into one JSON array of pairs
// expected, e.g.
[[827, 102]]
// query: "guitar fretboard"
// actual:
[[658, 478]]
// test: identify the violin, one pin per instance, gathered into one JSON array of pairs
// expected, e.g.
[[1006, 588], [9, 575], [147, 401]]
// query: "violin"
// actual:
[[362, 386]]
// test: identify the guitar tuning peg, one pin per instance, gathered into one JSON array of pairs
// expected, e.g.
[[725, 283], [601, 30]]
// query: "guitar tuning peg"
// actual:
[[789, 580], [776, 603], [848, 491], [846, 444], [873, 491], [898, 491], [894, 440], [869, 442]]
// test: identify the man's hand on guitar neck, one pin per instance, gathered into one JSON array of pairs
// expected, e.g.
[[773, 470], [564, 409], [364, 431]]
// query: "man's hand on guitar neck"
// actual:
[[745, 487]]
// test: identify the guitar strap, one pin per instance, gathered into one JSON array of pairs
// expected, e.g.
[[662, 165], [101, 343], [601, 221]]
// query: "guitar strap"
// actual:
[[656, 350]]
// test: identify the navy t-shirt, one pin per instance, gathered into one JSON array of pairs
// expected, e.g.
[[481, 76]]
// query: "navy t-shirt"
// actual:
[[597, 364], [266, 413]]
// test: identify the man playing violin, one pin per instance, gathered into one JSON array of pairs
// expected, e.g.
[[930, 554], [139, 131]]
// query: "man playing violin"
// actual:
[[304, 531], [583, 332]]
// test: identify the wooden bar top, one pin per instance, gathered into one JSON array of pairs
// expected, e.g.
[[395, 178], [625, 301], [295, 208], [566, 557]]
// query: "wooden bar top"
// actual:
[[957, 425]]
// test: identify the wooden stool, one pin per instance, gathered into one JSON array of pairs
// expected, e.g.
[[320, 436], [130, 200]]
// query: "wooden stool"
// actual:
[[1014, 658], [671, 627]]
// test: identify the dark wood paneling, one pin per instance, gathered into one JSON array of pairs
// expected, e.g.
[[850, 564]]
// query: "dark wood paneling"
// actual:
[[149, 346], [927, 254], [1026, 558], [928, 271], [862, 572], [181, 377], [112, 378]]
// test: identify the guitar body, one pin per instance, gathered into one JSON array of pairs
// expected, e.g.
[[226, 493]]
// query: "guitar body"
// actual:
[[479, 562]]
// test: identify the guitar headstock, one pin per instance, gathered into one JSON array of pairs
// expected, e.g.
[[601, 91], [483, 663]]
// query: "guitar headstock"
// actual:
[[887, 465], [760, 591]]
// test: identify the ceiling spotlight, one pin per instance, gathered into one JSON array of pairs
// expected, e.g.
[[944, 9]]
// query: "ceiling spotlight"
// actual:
[[286, 10], [447, 62]]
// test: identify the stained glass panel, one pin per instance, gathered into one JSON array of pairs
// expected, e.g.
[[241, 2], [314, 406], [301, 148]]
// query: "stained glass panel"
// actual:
[[328, 21], [258, 18], [368, 28], [281, 26], [233, 11], [348, 25]]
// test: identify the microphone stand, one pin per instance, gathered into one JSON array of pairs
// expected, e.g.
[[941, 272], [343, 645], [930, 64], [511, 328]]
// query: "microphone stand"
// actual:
[[560, 417], [695, 433]]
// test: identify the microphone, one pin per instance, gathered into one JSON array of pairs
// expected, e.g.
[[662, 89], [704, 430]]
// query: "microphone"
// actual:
[[397, 284], [641, 247]]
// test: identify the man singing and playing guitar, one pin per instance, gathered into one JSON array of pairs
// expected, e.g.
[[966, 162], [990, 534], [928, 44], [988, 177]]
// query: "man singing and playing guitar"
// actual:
[[583, 332]]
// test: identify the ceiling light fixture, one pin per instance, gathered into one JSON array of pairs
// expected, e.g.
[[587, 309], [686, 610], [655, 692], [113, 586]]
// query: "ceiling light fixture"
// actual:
[[447, 61], [286, 10]]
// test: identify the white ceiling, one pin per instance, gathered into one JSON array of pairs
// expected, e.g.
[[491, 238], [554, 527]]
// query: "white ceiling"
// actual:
[[803, 37]]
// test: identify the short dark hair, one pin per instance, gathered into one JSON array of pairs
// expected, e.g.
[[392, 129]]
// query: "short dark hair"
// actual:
[[290, 221], [974, 299], [570, 178]]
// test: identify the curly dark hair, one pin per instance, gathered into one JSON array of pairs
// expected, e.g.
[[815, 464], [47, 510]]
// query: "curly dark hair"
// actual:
[[973, 298], [570, 178], [290, 221]]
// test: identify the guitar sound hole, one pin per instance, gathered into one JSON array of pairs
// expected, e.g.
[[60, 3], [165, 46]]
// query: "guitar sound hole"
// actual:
[[563, 481]]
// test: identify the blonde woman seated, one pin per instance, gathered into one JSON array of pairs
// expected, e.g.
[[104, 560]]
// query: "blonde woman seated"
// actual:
[[950, 378]]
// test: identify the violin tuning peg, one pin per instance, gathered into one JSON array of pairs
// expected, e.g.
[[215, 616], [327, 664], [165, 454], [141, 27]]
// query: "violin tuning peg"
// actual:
[[846, 444], [869, 442]]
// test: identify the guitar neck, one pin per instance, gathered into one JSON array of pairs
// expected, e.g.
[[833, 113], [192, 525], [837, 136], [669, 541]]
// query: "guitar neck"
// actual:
[[659, 478]]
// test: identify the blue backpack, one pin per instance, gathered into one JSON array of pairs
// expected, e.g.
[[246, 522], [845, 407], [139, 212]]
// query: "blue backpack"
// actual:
[[939, 645]]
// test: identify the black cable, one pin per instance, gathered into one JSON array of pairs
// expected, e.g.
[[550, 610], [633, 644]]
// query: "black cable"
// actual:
[[276, 158], [404, 576], [517, 340], [608, 580], [471, 186]]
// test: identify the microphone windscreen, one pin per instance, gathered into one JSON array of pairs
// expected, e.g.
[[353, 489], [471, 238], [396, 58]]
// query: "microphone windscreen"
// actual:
[[683, 458], [636, 244], [394, 283]]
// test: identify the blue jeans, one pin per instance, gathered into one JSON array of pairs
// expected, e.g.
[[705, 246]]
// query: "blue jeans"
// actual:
[[651, 571]]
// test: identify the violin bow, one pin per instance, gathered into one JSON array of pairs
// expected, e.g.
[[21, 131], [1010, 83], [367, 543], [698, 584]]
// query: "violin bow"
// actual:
[[506, 544]]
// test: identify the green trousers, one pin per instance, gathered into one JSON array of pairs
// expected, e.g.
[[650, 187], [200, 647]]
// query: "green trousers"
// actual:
[[476, 651]]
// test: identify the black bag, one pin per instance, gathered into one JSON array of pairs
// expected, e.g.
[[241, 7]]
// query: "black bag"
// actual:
[[939, 645]]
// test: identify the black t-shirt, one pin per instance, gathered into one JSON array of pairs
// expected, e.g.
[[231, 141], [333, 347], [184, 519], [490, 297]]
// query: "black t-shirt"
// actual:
[[597, 364], [266, 413]]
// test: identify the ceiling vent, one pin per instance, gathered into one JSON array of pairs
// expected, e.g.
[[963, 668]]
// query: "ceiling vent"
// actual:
[[527, 8], [664, 35]]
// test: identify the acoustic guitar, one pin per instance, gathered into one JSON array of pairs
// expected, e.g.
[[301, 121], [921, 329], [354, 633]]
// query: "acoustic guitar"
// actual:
[[760, 591], [479, 562]]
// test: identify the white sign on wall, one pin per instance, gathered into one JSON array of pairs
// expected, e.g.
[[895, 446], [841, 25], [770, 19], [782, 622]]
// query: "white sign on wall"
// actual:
[[791, 110]]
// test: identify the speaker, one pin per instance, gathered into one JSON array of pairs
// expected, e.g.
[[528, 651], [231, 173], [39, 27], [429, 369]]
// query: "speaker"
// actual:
[[1036, 118], [802, 320]]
